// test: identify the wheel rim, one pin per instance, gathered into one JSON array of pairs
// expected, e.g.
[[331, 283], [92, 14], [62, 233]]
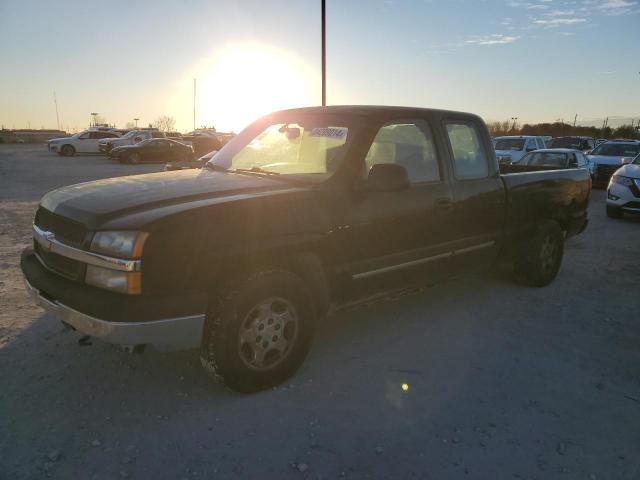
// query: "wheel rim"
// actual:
[[548, 254], [268, 333]]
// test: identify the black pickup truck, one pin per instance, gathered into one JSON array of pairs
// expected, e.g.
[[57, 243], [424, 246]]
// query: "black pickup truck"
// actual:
[[303, 210]]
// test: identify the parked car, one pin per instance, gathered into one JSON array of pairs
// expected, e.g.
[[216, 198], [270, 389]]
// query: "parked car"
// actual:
[[187, 164], [154, 150], [86, 141], [577, 143], [304, 209], [131, 138], [623, 193], [511, 149], [202, 141], [549, 158], [607, 157]]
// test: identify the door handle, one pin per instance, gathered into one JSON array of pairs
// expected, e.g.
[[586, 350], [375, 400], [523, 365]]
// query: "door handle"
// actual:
[[444, 205]]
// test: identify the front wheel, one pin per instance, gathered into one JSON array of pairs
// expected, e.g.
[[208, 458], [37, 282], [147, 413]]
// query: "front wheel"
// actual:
[[539, 260], [614, 212], [258, 330], [68, 151]]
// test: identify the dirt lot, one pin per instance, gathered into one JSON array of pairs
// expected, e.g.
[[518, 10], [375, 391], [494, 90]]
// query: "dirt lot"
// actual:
[[504, 381]]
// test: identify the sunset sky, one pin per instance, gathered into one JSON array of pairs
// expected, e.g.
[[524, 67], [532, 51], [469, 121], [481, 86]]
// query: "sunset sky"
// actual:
[[540, 60]]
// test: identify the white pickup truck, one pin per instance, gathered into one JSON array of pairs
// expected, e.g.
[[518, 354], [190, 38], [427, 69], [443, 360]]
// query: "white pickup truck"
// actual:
[[86, 141], [130, 138], [510, 150]]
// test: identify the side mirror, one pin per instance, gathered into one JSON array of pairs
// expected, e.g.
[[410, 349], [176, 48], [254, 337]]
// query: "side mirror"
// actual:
[[627, 160], [387, 177]]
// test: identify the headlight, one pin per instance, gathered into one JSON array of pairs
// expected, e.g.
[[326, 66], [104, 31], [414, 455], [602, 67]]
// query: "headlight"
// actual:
[[115, 280], [620, 180], [120, 244]]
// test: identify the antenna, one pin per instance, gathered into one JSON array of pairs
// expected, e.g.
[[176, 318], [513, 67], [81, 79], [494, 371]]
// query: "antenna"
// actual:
[[55, 101]]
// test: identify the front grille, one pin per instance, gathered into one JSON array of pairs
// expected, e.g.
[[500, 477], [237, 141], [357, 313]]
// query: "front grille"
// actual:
[[66, 267], [66, 230], [604, 172]]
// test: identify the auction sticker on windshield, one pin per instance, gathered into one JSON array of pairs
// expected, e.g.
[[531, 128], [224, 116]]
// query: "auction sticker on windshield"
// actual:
[[337, 133]]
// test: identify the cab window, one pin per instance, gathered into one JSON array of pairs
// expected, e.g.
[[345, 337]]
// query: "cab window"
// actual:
[[469, 156], [408, 144]]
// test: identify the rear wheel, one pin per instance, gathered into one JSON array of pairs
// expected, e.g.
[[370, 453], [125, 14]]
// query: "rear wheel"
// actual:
[[134, 158], [68, 151], [258, 331], [614, 212], [539, 260]]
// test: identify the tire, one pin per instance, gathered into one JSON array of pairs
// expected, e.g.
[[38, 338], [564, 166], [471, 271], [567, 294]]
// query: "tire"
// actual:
[[234, 348], [133, 158], [68, 151], [614, 212], [538, 262]]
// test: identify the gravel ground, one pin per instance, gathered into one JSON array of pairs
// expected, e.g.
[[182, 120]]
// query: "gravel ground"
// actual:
[[503, 381]]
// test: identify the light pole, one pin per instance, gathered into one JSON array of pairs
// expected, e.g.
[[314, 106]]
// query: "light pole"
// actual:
[[136, 120], [324, 53], [94, 115], [515, 119]]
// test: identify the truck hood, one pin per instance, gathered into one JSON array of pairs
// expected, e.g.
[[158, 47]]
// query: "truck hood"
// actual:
[[93, 203], [604, 160]]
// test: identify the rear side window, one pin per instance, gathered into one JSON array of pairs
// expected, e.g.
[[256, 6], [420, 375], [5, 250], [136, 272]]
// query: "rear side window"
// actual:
[[540, 143], [469, 156], [157, 135], [408, 144]]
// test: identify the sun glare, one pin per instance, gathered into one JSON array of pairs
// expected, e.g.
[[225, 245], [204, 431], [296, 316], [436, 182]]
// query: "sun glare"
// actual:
[[240, 83]]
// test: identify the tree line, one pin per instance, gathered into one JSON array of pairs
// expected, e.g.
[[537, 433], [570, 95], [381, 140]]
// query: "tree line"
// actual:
[[561, 129]]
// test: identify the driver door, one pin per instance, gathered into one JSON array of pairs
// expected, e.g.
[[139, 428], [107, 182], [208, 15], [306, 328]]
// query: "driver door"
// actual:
[[400, 232]]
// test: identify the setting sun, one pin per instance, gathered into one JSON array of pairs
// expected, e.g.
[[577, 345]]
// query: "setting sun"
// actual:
[[239, 83]]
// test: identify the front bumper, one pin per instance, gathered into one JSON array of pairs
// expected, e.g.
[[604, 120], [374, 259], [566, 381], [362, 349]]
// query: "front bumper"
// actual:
[[105, 148], [168, 323], [624, 198]]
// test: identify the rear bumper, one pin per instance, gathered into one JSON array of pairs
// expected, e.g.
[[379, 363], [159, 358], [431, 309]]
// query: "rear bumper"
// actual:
[[168, 323]]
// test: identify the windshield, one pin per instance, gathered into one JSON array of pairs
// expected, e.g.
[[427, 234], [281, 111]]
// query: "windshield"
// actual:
[[509, 144], [545, 159], [314, 147], [617, 149], [567, 142]]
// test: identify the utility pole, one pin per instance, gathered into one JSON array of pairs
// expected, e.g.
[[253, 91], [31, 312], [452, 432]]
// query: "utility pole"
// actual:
[[575, 119], [324, 53], [55, 101], [194, 103]]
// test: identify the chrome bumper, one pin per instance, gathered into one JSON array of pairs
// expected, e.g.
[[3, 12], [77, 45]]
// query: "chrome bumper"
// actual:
[[165, 335]]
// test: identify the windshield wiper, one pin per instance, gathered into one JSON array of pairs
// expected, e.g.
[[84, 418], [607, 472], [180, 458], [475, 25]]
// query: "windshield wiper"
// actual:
[[214, 167], [256, 170]]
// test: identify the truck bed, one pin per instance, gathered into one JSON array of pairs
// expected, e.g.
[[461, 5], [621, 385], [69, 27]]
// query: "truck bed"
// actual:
[[533, 194]]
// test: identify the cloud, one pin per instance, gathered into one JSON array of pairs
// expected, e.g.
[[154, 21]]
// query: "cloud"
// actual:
[[557, 22], [494, 39]]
